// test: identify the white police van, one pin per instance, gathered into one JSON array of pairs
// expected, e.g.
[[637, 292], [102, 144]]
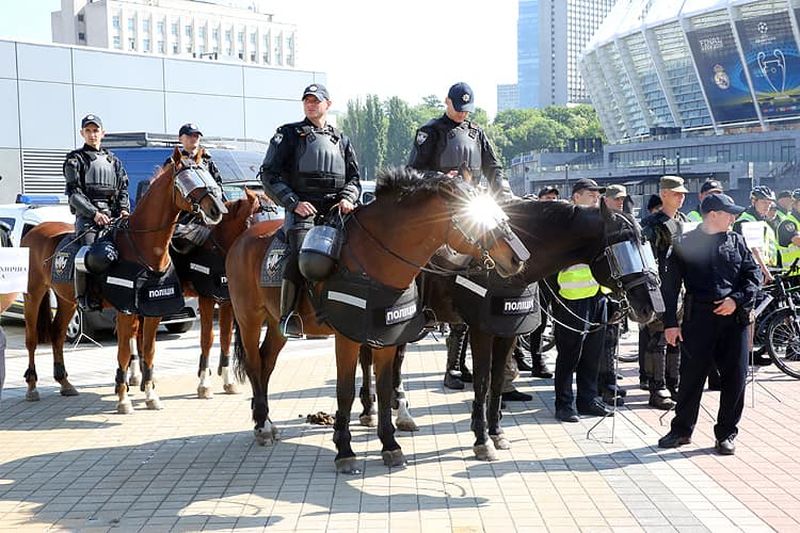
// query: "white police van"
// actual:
[[32, 209]]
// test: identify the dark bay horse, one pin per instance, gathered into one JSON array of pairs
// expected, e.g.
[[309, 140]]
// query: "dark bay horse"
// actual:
[[144, 238], [559, 235], [389, 252]]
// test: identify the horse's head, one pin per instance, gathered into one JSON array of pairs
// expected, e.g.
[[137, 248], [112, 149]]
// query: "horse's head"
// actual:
[[625, 264], [197, 191]]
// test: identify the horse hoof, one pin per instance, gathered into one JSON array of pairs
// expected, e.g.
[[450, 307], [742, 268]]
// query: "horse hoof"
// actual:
[[204, 393], [135, 380], [368, 420], [154, 405], [32, 395], [264, 438], [346, 465], [69, 391], [500, 442], [124, 408], [406, 424], [484, 452], [392, 458], [230, 388]]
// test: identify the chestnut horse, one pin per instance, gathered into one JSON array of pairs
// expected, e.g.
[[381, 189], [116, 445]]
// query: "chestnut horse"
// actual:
[[560, 235], [388, 240], [144, 238]]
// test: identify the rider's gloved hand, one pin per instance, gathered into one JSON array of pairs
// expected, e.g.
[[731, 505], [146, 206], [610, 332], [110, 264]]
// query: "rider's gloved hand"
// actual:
[[101, 219], [346, 206]]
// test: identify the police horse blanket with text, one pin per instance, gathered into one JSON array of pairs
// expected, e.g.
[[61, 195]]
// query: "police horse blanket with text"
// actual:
[[559, 235], [389, 254], [143, 266]]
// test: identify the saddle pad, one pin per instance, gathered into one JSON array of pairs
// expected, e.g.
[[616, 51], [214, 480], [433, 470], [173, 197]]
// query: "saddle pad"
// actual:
[[63, 265], [274, 262], [502, 307], [205, 270], [133, 289]]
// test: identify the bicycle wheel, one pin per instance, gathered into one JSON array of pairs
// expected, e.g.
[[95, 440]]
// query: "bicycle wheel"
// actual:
[[783, 343]]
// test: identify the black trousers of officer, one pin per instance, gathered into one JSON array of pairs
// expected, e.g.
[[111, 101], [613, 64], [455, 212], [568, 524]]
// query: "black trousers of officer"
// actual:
[[607, 375], [536, 335], [86, 224], [709, 339], [578, 353]]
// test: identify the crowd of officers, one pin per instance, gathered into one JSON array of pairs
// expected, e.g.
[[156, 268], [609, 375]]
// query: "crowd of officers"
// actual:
[[311, 169]]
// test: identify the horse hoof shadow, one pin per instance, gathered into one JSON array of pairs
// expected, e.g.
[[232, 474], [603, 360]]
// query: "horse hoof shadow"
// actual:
[[125, 408], [69, 391], [393, 458], [204, 393], [346, 465], [500, 442], [484, 452], [369, 421], [32, 396]]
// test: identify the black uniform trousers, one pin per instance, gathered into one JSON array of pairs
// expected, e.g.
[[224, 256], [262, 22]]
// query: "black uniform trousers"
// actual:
[[710, 339], [87, 225], [578, 353], [536, 335]]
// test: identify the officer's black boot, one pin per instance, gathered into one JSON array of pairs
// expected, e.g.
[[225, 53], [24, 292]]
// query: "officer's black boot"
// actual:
[[519, 357], [540, 368], [291, 327], [660, 397], [452, 377], [80, 289]]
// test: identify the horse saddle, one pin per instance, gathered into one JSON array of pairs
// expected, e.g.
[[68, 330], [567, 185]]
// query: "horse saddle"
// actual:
[[63, 265], [274, 262], [502, 307], [205, 270]]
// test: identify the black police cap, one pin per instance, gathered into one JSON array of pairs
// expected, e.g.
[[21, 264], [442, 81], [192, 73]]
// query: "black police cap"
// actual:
[[549, 189], [91, 119], [462, 97], [588, 185], [318, 90], [190, 129], [720, 202], [711, 185]]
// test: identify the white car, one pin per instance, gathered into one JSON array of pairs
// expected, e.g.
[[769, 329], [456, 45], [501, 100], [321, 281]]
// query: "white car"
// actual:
[[33, 209]]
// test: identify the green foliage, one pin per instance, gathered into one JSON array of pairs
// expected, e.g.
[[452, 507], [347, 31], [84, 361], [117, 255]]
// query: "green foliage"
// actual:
[[402, 123]]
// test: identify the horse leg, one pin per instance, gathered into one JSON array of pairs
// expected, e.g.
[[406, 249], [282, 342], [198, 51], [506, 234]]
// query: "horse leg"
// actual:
[[225, 331], [127, 328], [369, 415], [38, 322], [248, 356], [268, 351], [404, 421], [391, 453], [481, 345], [501, 351], [151, 399], [346, 359], [135, 366], [206, 306], [66, 309]]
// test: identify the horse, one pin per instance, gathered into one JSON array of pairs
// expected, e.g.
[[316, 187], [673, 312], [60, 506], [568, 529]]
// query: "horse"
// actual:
[[432, 211], [559, 235], [143, 237]]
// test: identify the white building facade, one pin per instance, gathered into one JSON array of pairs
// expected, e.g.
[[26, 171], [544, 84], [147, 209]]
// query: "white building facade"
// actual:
[[182, 28]]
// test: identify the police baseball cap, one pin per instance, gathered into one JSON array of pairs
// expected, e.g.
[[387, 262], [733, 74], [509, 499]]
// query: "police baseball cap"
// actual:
[[318, 90], [654, 201], [549, 189], [711, 185], [672, 183], [586, 184], [462, 97], [91, 119], [189, 129], [720, 202], [616, 191]]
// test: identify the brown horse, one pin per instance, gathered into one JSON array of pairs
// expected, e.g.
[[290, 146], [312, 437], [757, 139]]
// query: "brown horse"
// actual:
[[143, 238], [386, 251]]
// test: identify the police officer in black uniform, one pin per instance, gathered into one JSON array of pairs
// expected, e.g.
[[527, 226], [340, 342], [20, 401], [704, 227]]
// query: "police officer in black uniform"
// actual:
[[310, 168], [444, 144], [97, 186], [721, 279]]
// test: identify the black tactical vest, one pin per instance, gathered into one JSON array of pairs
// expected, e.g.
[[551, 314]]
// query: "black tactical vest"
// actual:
[[320, 161], [461, 145], [100, 177]]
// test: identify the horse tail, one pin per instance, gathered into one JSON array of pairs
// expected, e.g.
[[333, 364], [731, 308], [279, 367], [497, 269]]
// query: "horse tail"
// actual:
[[44, 320], [239, 355]]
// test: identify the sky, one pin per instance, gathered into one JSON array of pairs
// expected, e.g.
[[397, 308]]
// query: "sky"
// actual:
[[405, 48]]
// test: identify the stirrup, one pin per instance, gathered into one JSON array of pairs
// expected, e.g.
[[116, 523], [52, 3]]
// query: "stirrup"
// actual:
[[291, 327]]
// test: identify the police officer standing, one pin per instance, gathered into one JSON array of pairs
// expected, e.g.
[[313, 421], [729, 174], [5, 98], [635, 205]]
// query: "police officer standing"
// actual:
[[310, 168], [721, 279], [785, 203], [663, 230], [708, 187], [97, 187], [762, 198], [445, 144]]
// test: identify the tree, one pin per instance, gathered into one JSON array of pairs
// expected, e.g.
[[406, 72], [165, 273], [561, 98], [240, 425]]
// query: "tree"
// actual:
[[400, 130], [374, 141]]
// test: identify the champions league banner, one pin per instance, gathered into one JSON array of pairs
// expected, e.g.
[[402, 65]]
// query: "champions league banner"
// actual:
[[722, 74], [773, 62]]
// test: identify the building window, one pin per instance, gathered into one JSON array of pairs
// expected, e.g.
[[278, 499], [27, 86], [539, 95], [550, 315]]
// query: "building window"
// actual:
[[146, 45], [228, 51], [162, 48], [176, 49], [279, 49], [131, 24], [131, 44], [115, 22], [229, 36], [162, 27], [188, 30], [290, 50], [241, 37], [215, 34], [81, 36], [174, 29], [117, 42], [80, 17], [201, 33], [203, 49], [253, 39], [252, 57], [146, 25]]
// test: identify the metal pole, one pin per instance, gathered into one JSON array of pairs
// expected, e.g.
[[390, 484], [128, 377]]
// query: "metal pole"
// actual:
[[663, 165], [678, 159], [566, 180]]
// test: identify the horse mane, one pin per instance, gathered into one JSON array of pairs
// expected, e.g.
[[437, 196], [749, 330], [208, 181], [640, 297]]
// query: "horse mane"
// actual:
[[154, 182], [539, 214], [401, 183]]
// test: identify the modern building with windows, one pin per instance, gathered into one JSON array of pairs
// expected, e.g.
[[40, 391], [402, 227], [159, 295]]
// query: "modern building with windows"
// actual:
[[507, 97], [46, 89], [551, 34], [202, 29]]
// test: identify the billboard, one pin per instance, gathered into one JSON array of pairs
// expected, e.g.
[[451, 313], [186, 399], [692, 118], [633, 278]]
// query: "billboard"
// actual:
[[721, 73], [773, 61]]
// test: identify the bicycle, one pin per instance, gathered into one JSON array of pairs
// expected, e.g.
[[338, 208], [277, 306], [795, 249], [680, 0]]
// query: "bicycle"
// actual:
[[777, 327]]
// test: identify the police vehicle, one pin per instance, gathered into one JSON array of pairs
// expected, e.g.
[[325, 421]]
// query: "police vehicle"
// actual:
[[32, 209]]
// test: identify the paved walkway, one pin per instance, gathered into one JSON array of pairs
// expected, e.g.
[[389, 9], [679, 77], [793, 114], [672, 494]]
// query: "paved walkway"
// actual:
[[73, 464]]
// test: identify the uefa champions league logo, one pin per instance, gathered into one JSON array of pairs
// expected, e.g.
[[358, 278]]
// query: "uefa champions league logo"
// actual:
[[773, 70]]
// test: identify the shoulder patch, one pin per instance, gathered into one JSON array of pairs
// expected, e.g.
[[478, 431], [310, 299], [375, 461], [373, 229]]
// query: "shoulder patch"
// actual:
[[277, 138], [790, 226], [421, 137]]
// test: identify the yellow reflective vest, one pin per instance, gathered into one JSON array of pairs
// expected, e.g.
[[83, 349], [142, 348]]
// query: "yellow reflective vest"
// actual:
[[770, 240], [694, 216], [576, 282], [791, 252]]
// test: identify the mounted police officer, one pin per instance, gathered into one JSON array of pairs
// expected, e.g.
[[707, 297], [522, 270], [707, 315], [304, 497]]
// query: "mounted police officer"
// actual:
[[721, 279], [444, 144], [664, 230], [310, 168], [710, 186], [190, 232], [97, 186]]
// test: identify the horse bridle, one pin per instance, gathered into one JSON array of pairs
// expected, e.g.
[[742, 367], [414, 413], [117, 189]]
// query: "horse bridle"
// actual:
[[191, 178]]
